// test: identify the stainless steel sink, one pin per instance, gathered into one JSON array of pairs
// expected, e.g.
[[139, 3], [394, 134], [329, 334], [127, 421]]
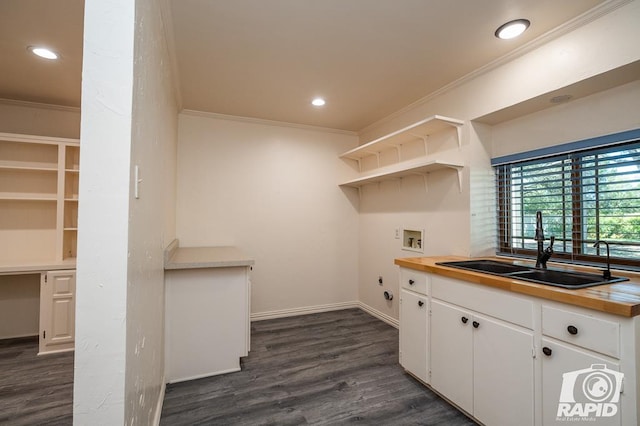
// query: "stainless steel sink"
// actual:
[[551, 277]]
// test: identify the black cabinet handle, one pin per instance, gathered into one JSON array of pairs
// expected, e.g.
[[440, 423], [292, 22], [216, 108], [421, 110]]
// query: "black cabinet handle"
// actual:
[[547, 351], [464, 320], [411, 282], [420, 303], [572, 330], [476, 324]]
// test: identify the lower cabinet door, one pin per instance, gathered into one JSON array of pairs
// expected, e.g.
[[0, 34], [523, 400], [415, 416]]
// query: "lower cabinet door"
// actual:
[[413, 334], [452, 354], [578, 386], [57, 310], [503, 379]]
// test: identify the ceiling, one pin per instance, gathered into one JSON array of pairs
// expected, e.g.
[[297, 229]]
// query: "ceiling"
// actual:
[[268, 59]]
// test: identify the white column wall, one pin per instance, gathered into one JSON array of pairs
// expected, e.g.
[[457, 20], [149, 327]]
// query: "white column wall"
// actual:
[[103, 216], [151, 216]]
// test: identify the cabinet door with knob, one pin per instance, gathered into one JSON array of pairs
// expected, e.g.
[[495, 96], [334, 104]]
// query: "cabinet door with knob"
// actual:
[[575, 366], [481, 363], [414, 320], [57, 310]]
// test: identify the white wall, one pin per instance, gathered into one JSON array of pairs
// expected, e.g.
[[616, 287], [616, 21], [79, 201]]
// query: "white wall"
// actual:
[[273, 192], [465, 224], [151, 216], [103, 216], [19, 305], [603, 113], [38, 119]]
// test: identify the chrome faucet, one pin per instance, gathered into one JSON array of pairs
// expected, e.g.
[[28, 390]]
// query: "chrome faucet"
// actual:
[[606, 274], [543, 254]]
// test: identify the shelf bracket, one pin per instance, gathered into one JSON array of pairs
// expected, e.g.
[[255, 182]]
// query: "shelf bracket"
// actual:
[[459, 171], [425, 178], [399, 151], [459, 131], [378, 157], [359, 160]]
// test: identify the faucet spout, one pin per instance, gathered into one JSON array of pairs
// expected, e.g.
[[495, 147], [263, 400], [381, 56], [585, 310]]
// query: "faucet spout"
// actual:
[[543, 254], [606, 274]]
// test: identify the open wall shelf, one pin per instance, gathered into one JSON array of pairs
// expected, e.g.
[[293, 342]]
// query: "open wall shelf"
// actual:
[[419, 131], [39, 179]]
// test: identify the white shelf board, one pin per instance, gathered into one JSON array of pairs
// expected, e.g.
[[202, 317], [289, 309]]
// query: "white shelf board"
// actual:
[[20, 197], [405, 168], [416, 131], [10, 166]]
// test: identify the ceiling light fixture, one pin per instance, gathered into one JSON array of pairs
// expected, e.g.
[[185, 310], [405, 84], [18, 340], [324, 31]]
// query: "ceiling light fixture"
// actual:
[[318, 102], [512, 29], [43, 52]]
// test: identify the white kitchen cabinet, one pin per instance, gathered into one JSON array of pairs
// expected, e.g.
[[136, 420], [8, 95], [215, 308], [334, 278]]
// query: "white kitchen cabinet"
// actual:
[[413, 334], [452, 354], [483, 365], [509, 369], [587, 344], [559, 359], [57, 311]]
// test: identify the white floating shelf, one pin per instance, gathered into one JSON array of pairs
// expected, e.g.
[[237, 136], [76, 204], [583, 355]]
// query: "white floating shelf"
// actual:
[[416, 131], [407, 168]]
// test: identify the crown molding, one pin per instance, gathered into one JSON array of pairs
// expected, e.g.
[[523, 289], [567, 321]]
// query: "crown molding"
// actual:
[[27, 104], [579, 21], [265, 122]]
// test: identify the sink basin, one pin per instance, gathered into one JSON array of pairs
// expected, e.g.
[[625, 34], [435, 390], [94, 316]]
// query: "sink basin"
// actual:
[[551, 277], [489, 266]]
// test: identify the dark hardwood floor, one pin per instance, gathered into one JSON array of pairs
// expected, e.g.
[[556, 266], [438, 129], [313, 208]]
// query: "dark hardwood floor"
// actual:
[[329, 368], [34, 390]]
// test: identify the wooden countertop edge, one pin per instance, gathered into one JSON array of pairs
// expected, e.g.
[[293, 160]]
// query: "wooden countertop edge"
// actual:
[[591, 297]]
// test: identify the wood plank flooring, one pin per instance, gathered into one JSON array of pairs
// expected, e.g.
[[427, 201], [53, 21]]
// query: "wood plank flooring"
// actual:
[[34, 390], [329, 368]]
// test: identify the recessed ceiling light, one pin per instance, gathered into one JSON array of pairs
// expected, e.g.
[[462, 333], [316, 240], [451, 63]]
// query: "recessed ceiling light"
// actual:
[[43, 52], [512, 29], [318, 102]]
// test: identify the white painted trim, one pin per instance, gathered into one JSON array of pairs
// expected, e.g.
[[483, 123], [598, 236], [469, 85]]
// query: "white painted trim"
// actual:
[[58, 351], [17, 137], [265, 122], [159, 403], [201, 376], [283, 313], [27, 104], [579, 21], [381, 316]]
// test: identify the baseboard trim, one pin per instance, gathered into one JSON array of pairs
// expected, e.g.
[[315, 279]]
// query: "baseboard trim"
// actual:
[[283, 313], [381, 316], [160, 402]]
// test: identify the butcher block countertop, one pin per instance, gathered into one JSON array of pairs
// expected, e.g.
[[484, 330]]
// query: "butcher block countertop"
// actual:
[[204, 257], [619, 298]]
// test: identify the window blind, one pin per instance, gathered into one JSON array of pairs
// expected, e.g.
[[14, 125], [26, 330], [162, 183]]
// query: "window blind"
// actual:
[[584, 196]]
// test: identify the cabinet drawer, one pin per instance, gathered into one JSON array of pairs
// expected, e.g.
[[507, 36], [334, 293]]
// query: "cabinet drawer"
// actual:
[[493, 302], [586, 331], [413, 280]]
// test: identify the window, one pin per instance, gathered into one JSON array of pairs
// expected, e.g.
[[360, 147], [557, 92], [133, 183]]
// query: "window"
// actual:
[[584, 196]]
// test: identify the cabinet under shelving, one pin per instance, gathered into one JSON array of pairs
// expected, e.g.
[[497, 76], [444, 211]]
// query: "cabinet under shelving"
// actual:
[[427, 163]]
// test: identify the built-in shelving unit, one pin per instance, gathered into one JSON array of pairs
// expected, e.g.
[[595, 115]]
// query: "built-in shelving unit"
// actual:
[[39, 179], [423, 165]]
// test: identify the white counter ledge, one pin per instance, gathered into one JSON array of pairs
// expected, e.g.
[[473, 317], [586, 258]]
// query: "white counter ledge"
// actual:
[[205, 257]]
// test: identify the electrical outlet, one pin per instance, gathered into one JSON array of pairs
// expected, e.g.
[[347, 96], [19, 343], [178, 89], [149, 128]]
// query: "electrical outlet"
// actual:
[[397, 233]]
